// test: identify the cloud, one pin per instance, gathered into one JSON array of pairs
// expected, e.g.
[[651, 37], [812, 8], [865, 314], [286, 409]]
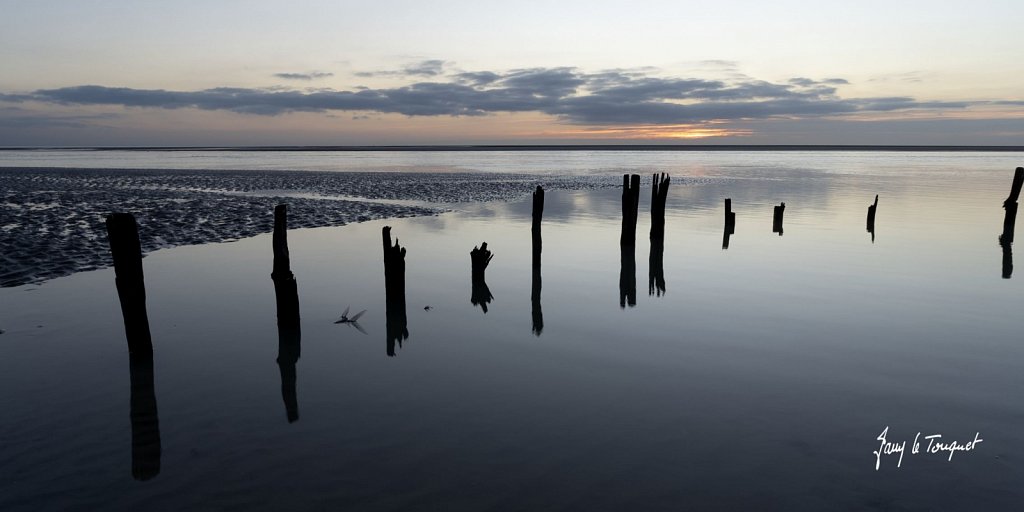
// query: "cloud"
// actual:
[[19, 118], [636, 97], [312, 75], [424, 68]]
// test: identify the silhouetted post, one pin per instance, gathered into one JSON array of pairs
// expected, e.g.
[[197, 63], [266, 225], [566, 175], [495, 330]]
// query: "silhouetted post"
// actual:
[[627, 277], [777, 218], [630, 207], [1010, 221], [289, 332], [535, 309], [285, 286], [730, 223], [1010, 205], [123, 235], [145, 421], [871, 218], [394, 286], [538, 215], [479, 258], [659, 195]]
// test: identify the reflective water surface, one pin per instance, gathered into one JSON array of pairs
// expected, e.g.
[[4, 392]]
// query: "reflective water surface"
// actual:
[[753, 377]]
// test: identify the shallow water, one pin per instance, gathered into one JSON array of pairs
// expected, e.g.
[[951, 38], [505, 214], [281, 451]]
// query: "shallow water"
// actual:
[[760, 379]]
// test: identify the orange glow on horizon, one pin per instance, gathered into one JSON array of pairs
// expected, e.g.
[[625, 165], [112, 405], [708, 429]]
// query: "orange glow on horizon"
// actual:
[[654, 132]]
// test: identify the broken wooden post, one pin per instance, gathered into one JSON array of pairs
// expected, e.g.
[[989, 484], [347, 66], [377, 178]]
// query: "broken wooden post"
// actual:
[[535, 309], [1010, 221], [1010, 205], [285, 286], [871, 218], [730, 223], [145, 420], [659, 195], [289, 333], [394, 287], [630, 208], [123, 236], [479, 258], [777, 218]]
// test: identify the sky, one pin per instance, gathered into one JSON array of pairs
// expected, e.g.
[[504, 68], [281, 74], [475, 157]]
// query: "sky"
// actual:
[[381, 72]]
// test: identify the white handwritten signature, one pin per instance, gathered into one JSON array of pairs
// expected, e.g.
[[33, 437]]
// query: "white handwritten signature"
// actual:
[[935, 445]]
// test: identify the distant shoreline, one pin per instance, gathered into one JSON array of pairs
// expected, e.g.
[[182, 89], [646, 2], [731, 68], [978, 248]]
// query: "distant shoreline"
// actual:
[[539, 147]]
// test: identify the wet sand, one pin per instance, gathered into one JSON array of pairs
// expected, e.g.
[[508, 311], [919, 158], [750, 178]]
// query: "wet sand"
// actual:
[[53, 219]]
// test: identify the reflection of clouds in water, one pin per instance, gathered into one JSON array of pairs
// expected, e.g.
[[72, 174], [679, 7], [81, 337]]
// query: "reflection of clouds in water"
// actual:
[[432, 223]]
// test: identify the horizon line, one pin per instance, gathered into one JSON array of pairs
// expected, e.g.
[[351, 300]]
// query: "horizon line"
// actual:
[[544, 147]]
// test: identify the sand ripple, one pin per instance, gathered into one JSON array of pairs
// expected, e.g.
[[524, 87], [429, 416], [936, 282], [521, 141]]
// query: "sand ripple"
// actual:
[[52, 220]]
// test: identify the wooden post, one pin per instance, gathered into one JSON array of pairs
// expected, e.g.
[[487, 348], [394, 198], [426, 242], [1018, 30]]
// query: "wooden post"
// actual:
[[479, 258], [145, 420], [1010, 221], [871, 218], [730, 223], [659, 195], [1010, 205], [289, 332], [535, 309], [630, 207], [285, 286], [394, 286], [123, 236], [777, 218]]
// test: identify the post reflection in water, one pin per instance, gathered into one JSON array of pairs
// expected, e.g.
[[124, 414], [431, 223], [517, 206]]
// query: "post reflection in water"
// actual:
[[656, 269], [289, 332], [627, 277], [394, 287], [145, 421]]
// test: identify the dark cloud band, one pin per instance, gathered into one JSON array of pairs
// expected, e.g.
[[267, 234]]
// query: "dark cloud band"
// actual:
[[610, 97]]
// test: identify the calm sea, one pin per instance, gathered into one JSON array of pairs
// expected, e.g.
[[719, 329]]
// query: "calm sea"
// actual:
[[754, 377]]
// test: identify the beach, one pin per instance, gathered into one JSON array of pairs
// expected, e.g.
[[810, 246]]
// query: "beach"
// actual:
[[757, 376]]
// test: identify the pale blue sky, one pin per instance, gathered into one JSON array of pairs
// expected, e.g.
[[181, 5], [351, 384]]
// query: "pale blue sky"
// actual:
[[680, 69]]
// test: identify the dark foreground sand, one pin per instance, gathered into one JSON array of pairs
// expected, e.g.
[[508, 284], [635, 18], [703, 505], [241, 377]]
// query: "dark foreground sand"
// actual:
[[52, 220]]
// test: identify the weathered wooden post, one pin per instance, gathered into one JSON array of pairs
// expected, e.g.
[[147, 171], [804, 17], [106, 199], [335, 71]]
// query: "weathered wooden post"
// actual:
[[627, 240], [630, 208], [123, 236], [730, 223], [394, 287], [1010, 205], [777, 218], [479, 258], [289, 332], [535, 309], [145, 420], [1010, 221], [285, 286], [659, 195], [871, 218]]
